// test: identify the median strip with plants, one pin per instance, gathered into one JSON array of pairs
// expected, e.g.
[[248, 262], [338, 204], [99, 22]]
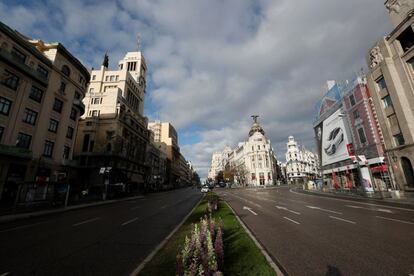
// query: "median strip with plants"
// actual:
[[210, 242]]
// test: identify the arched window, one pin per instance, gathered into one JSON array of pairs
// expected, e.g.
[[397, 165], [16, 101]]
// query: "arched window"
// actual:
[[66, 70], [108, 147], [408, 171]]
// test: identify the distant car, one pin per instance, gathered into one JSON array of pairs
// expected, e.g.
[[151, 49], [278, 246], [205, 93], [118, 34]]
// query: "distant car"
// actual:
[[335, 138], [205, 190]]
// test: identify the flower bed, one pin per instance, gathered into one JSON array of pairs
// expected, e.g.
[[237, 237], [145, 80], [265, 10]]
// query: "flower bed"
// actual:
[[203, 252]]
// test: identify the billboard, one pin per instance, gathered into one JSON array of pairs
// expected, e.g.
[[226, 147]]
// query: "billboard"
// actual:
[[334, 139]]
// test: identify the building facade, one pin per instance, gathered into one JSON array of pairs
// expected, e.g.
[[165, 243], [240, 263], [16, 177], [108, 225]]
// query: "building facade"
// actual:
[[301, 164], [391, 81], [253, 162], [41, 90], [112, 139], [348, 139], [177, 167]]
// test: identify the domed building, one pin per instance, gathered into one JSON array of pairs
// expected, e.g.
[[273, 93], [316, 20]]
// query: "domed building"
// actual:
[[254, 161]]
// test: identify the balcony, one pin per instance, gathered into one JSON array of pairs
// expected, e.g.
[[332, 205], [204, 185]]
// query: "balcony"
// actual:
[[15, 152], [79, 104], [389, 110], [11, 60]]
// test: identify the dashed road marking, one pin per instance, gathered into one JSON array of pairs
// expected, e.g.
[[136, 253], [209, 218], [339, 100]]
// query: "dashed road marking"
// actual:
[[129, 221], [371, 209], [4, 274], [341, 219], [250, 210], [286, 209], [398, 220], [294, 221], [85, 221], [326, 210], [163, 207]]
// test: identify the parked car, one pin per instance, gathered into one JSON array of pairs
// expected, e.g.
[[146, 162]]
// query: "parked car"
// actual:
[[335, 138], [205, 189]]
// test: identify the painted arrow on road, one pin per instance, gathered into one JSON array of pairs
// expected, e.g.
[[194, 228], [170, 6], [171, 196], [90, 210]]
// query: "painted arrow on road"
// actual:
[[319, 208], [286, 209], [250, 210]]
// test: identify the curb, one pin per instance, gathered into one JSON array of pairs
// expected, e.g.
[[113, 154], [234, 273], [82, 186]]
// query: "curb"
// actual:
[[163, 242], [408, 205], [9, 218], [277, 267]]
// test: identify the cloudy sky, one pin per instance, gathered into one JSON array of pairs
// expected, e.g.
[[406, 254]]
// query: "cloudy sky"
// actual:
[[214, 63]]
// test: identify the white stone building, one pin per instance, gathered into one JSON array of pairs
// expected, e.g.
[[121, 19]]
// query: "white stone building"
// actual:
[[301, 164], [253, 162], [218, 162]]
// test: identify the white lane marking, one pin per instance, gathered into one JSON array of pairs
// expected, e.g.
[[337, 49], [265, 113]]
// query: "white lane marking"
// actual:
[[20, 227], [349, 221], [291, 220], [4, 274], [384, 210], [85, 221], [250, 210], [326, 210], [136, 207], [163, 207], [377, 209], [129, 221], [353, 201], [398, 220], [286, 209], [249, 201]]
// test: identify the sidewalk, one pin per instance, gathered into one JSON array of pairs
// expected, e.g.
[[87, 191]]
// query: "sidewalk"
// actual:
[[18, 216], [405, 202]]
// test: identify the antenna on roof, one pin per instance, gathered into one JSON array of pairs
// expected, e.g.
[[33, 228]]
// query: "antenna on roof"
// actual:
[[138, 42], [255, 118]]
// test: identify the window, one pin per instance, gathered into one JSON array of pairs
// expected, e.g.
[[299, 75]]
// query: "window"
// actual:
[[406, 39], [23, 140], [36, 94], [85, 144], [30, 116], [362, 137], [387, 101], [53, 125], [356, 114], [96, 100], [69, 133], [73, 114], [94, 113], [48, 148], [66, 70], [62, 88], [399, 139], [66, 152], [10, 80], [258, 147], [91, 89], [42, 71], [112, 78], [253, 176], [381, 83], [106, 78], [58, 105], [17, 54], [81, 80], [352, 99], [1, 132], [5, 105], [393, 120], [93, 77], [77, 95]]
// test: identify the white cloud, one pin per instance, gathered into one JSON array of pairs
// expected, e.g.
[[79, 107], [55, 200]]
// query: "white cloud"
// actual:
[[215, 63]]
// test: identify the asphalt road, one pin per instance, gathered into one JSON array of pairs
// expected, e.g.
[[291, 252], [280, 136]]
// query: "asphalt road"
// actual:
[[313, 235], [103, 240]]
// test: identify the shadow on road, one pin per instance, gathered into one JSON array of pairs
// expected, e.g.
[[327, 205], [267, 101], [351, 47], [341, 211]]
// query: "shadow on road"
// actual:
[[333, 271]]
